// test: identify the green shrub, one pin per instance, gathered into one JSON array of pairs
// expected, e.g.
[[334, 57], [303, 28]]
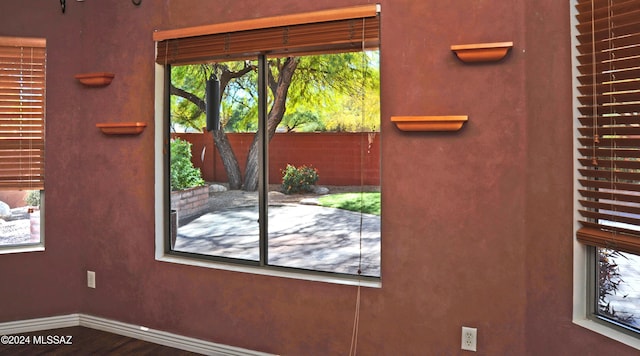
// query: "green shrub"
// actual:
[[183, 174], [297, 180], [33, 198]]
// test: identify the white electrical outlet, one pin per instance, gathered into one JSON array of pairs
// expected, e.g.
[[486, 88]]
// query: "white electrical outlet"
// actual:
[[469, 338], [91, 279]]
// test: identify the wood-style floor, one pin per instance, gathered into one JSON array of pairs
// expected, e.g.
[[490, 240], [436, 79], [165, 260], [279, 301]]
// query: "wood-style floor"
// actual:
[[84, 341]]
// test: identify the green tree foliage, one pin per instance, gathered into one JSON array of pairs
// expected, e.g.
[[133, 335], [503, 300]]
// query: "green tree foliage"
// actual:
[[340, 92], [185, 113], [336, 92], [239, 111], [302, 120]]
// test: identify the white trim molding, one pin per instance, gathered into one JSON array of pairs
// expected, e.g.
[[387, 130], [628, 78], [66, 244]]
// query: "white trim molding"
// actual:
[[160, 205], [31, 325], [133, 331]]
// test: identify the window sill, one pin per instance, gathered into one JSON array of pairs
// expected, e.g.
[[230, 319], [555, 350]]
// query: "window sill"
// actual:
[[608, 332], [20, 249], [580, 317], [266, 271]]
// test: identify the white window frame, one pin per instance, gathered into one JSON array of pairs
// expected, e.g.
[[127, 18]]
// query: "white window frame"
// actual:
[[581, 255], [160, 207], [31, 247]]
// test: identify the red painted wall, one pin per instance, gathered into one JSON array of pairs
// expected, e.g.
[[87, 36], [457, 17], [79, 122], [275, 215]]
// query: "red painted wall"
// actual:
[[477, 224], [341, 158]]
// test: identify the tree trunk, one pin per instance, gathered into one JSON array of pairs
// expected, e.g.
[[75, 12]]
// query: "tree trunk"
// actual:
[[229, 160], [278, 108], [251, 171]]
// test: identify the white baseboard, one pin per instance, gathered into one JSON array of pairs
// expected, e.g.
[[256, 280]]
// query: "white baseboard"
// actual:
[[124, 329], [30, 325]]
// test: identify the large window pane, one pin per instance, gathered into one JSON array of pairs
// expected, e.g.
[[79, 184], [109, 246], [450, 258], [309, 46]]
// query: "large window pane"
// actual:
[[218, 218], [324, 205], [317, 115]]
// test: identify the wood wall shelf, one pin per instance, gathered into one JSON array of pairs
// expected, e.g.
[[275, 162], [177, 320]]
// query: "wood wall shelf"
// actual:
[[482, 52], [98, 79], [122, 128], [429, 123]]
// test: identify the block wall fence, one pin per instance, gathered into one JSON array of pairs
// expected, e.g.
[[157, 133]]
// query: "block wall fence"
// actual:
[[341, 158]]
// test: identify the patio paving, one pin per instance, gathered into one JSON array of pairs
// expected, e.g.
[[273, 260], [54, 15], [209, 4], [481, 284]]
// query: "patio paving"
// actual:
[[301, 236]]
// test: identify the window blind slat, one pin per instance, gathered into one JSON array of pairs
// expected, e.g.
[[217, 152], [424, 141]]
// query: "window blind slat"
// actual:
[[632, 73], [598, 185], [610, 164], [629, 211], [612, 108], [611, 222], [620, 98], [610, 142], [620, 152], [17, 170], [601, 88], [620, 86], [610, 195], [621, 130], [604, 174]]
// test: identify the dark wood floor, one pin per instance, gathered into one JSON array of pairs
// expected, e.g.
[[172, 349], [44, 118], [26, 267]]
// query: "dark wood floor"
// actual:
[[84, 341]]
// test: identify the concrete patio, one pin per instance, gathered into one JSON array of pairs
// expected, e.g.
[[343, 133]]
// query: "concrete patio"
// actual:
[[301, 236]]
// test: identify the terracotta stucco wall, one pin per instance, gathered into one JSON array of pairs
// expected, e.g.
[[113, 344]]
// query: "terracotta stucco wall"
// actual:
[[476, 224]]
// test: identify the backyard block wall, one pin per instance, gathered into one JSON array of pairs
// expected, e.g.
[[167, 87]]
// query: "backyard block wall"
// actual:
[[341, 158]]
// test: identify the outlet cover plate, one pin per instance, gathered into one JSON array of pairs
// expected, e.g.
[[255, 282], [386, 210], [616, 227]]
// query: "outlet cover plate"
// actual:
[[469, 338], [91, 279]]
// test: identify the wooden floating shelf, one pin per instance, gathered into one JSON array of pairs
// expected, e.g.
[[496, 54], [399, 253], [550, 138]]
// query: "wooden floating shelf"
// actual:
[[122, 128], [429, 123], [98, 79], [482, 52]]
